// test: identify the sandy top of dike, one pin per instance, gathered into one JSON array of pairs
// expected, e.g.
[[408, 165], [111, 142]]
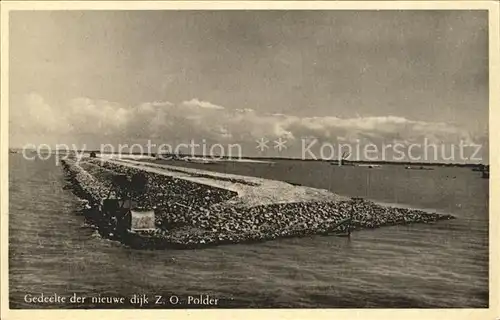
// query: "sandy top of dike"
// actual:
[[252, 191]]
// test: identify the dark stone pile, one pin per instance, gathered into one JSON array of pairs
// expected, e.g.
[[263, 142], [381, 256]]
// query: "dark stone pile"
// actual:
[[367, 214], [192, 215], [84, 185], [177, 202]]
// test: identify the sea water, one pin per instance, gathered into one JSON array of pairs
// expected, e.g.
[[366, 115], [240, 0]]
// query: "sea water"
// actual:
[[52, 251]]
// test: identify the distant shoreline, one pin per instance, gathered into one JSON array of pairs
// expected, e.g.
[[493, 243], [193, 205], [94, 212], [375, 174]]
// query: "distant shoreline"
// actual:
[[335, 162]]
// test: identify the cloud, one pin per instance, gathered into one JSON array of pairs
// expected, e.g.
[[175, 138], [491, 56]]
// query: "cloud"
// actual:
[[202, 104], [35, 115], [169, 122]]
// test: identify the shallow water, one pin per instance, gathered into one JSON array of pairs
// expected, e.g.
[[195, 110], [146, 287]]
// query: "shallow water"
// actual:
[[438, 265]]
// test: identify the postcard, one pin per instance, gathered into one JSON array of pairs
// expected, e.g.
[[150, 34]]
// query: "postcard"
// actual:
[[323, 160]]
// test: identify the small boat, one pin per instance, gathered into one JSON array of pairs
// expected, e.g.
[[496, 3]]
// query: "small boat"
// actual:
[[369, 166], [199, 160], [418, 168], [481, 168]]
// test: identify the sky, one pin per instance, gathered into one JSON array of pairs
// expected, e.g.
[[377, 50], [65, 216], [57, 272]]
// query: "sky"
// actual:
[[123, 77]]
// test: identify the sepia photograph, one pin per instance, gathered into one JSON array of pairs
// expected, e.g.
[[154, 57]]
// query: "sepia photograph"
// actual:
[[314, 158]]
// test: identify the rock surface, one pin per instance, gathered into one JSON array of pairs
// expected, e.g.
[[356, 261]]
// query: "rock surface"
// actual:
[[195, 208]]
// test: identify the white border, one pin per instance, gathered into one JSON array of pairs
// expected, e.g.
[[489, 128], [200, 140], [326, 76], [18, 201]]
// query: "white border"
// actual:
[[491, 313]]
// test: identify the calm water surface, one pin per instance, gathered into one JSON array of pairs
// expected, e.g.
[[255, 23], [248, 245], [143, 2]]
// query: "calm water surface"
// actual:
[[440, 265]]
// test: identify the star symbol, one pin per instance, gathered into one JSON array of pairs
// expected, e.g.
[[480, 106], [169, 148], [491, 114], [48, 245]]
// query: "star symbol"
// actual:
[[280, 144], [262, 144]]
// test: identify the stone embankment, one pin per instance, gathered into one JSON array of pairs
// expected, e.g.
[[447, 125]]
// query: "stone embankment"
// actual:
[[196, 208]]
